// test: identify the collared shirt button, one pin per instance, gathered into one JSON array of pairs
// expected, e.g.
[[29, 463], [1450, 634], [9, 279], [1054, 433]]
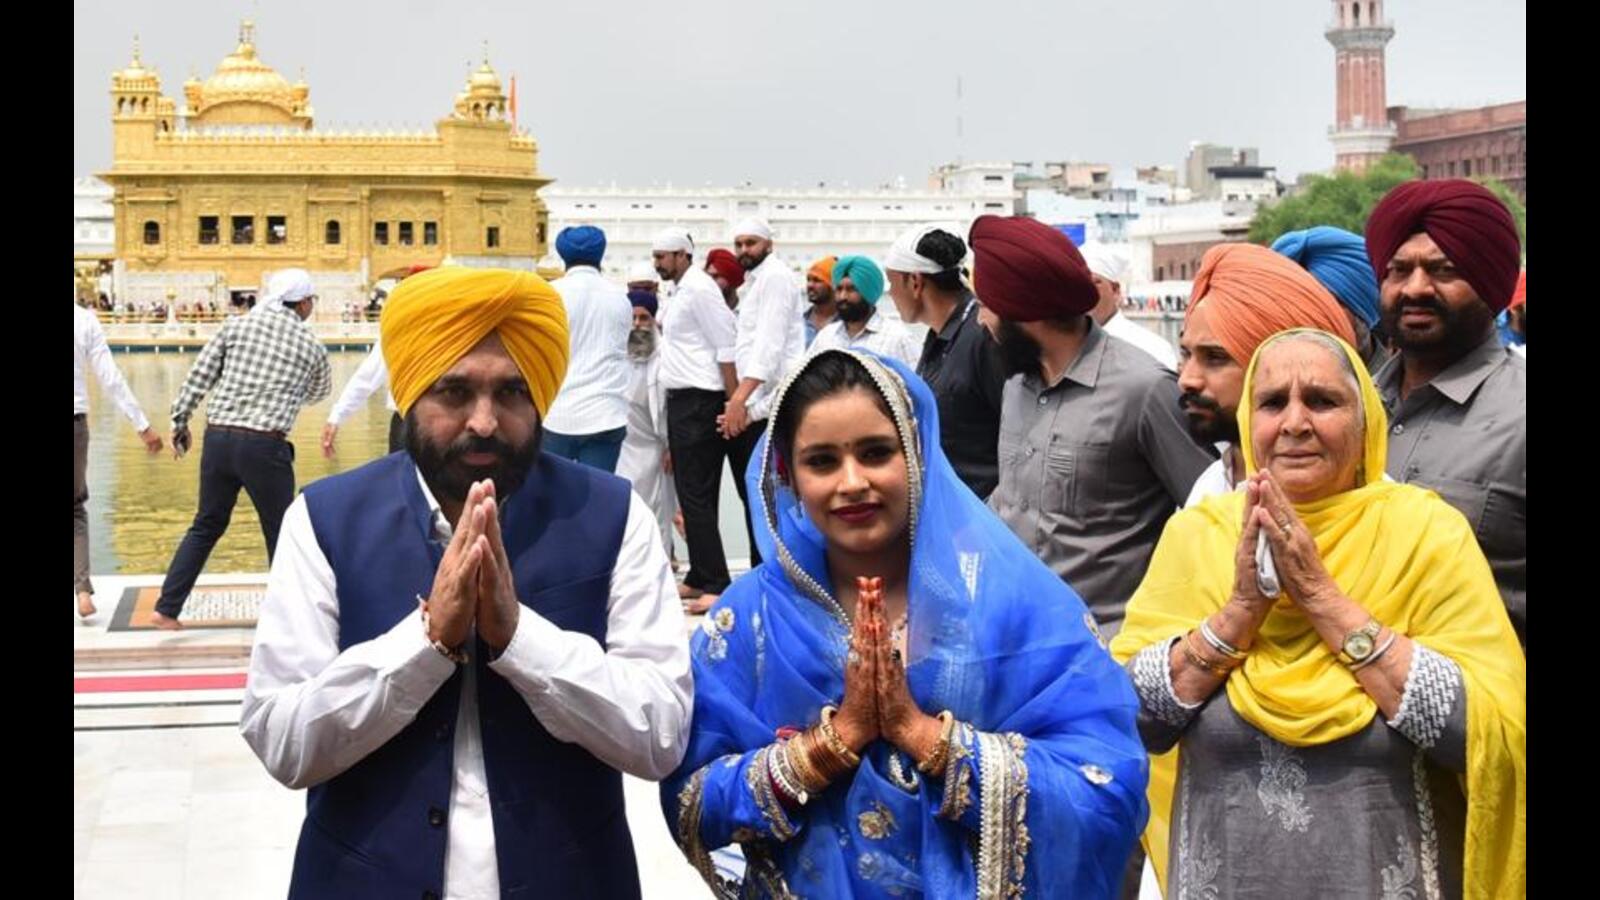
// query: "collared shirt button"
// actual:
[[1399, 428], [435, 816], [1030, 451], [1043, 400]]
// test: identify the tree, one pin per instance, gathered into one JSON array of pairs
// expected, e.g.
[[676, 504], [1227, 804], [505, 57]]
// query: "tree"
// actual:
[[1345, 199]]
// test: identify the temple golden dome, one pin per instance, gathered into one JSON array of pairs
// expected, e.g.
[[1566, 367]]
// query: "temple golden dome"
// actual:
[[245, 90]]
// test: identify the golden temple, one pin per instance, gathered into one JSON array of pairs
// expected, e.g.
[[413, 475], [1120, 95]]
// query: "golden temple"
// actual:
[[210, 198]]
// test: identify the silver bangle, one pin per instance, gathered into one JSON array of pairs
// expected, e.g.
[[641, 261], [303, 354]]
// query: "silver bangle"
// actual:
[[1376, 654], [1218, 644]]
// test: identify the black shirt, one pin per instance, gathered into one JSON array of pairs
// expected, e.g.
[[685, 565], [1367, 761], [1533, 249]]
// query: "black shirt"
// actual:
[[961, 362]]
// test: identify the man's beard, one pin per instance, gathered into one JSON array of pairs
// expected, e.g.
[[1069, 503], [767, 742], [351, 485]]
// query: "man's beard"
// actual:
[[1220, 426], [642, 343], [1019, 353], [449, 477], [819, 297], [1460, 329], [853, 310], [748, 261]]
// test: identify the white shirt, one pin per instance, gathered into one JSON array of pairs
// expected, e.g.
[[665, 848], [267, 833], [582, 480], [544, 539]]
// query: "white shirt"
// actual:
[[697, 331], [1123, 327], [89, 350], [772, 337], [881, 335], [1520, 350], [371, 376], [594, 396], [311, 712]]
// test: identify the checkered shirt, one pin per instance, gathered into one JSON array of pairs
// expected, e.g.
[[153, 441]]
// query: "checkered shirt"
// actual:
[[265, 366]]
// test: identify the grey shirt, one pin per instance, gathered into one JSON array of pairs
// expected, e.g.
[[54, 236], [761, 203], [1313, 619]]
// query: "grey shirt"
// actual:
[[1377, 814], [1092, 466], [1464, 435]]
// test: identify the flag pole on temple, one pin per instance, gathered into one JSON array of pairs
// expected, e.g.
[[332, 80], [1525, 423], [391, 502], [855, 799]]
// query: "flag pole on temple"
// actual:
[[513, 102]]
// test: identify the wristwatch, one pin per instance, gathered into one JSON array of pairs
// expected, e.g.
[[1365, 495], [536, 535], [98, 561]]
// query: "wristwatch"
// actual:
[[1359, 644]]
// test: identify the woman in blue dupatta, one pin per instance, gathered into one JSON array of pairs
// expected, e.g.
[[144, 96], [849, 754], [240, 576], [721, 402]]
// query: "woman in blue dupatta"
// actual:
[[1000, 757]]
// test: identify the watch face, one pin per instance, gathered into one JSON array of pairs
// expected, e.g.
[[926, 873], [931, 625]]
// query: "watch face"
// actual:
[[1358, 645]]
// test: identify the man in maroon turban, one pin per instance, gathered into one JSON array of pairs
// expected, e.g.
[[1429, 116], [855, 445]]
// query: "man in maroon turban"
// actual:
[[1447, 258], [1094, 452]]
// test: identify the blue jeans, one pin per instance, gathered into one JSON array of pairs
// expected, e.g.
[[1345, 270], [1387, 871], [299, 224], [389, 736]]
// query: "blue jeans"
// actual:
[[599, 450]]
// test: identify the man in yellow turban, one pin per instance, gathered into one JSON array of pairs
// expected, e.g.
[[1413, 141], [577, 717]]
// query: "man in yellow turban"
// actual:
[[462, 644]]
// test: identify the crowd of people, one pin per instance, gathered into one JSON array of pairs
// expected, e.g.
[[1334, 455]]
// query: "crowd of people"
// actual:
[[1031, 597]]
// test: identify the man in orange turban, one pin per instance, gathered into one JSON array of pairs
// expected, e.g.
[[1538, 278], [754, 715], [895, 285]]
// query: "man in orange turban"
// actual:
[[469, 626], [1243, 294], [819, 292]]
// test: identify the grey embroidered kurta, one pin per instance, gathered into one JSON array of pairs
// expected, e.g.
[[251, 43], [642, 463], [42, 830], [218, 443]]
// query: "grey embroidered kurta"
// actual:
[[1380, 813]]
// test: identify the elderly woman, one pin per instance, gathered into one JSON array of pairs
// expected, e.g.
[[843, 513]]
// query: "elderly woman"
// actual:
[[901, 701], [1289, 782]]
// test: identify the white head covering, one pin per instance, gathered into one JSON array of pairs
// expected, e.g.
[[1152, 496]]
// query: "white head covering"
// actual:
[[1109, 261], [643, 271], [671, 240], [289, 286], [903, 255], [754, 227]]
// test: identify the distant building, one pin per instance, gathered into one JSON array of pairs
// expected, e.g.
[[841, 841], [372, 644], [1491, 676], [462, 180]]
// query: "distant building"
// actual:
[[1205, 157], [1467, 143]]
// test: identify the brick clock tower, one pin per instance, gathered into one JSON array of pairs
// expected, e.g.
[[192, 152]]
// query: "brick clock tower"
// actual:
[[1361, 132]]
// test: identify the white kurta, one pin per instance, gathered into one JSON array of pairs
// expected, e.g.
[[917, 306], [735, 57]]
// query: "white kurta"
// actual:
[[311, 712], [646, 445]]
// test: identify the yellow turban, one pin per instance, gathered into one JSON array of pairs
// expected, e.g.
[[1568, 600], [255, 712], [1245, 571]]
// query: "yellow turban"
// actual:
[[435, 317]]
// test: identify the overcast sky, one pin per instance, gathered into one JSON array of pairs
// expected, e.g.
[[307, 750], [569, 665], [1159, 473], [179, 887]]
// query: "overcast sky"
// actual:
[[785, 93]]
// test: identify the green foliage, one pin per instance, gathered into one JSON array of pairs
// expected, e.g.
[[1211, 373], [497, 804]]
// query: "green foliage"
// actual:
[[1345, 199]]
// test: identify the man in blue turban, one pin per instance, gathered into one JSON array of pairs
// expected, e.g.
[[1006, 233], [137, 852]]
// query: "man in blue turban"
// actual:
[[860, 325], [581, 245], [1338, 259], [589, 418]]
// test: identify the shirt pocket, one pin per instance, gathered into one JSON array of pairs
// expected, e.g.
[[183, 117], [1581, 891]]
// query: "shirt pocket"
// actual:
[[1505, 523], [1062, 463], [1469, 497]]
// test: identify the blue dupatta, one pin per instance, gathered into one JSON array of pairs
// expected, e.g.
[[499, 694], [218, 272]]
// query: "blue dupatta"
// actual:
[[1045, 789]]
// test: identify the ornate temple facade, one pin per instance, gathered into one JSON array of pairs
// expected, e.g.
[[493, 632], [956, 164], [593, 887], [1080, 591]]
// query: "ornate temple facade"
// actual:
[[212, 197]]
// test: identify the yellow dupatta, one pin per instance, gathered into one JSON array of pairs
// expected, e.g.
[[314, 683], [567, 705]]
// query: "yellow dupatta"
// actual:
[[1412, 561]]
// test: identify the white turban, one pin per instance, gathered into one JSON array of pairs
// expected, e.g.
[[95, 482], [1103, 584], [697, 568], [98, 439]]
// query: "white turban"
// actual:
[[1109, 261], [643, 271], [672, 240], [903, 255], [753, 227], [289, 286]]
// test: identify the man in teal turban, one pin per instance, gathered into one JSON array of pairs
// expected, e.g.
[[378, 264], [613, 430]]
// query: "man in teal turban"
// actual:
[[861, 325]]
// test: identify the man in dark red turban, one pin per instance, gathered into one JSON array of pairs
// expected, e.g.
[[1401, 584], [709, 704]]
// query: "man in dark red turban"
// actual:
[[1447, 257], [1094, 451], [724, 269]]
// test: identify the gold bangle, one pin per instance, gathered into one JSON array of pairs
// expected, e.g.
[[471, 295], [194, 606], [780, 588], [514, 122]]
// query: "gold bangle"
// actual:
[[801, 764], [1198, 659], [849, 757], [933, 763]]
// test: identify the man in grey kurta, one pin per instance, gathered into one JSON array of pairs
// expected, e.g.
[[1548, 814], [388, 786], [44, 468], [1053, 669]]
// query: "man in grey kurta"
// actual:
[[1457, 399], [1094, 452]]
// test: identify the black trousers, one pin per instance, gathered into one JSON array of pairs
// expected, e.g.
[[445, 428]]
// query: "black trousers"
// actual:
[[229, 460], [697, 455]]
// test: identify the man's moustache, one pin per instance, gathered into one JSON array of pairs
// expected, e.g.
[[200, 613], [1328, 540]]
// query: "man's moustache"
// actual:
[[1189, 400]]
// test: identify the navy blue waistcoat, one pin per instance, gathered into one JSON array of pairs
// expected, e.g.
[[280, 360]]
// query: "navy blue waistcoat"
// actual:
[[379, 828]]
